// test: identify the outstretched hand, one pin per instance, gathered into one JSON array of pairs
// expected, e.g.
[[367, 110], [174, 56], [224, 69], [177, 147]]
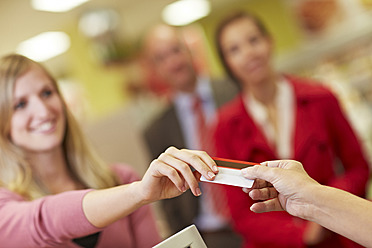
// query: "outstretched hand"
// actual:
[[170, 174], [280, 185]]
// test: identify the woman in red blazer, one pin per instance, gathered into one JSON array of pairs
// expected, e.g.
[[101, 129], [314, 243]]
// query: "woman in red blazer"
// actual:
[[282, 117]]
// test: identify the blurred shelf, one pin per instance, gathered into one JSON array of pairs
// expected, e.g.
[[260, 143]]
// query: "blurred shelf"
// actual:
[[350, 33]]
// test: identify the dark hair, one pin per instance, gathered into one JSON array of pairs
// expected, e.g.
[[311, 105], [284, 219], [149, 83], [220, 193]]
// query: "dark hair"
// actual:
[[233, 17]]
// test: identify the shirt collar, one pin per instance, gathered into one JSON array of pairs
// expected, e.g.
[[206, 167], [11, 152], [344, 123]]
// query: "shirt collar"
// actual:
[[203, 89], [284, 100], [258, 110]]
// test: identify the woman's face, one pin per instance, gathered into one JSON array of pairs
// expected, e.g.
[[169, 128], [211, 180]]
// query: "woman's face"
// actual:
[[38, 121], [247, 51]]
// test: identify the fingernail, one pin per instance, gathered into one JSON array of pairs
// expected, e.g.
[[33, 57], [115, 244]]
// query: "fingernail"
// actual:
[[183, 189], [211, 174], [198, 192], [215, 168], [244, 172]]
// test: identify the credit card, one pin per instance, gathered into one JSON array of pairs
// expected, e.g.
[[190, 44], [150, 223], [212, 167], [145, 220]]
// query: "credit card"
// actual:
[[230, 174], [231, 163]]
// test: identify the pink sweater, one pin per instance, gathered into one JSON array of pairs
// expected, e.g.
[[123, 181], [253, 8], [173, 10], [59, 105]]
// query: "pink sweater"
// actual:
[[53, 221]]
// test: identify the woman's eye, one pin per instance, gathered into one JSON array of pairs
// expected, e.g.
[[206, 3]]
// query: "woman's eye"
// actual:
[[253, 40], [46, 93], [20, 105], [232, 50]]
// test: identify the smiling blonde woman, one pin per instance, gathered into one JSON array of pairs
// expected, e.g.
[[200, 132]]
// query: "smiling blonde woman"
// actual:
[[55, 192]]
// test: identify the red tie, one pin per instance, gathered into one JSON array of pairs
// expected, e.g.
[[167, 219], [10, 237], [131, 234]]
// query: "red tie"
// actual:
[[214, 193], [200, 122]]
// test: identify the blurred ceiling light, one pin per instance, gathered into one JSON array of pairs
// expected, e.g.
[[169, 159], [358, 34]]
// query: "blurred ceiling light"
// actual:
[[183, 12], [44, 46], [56, 5], [98, 22]]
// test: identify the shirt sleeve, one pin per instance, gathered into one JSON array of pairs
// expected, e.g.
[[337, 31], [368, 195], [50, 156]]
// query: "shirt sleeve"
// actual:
[[48, 221], [142, 220]]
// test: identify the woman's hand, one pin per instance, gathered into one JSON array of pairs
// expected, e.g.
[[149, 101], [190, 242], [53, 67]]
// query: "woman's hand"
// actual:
[[170, 175], [282, 185]]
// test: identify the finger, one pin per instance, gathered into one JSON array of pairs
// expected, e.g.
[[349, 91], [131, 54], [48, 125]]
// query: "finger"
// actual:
[[184, 169], [259, 183], [185, 185], [285, 164], [208, 160], [197, 175], [247, 190], [191, 158], [263, 194], [160, 169], [267, 206], [273, 163], [261, 172]]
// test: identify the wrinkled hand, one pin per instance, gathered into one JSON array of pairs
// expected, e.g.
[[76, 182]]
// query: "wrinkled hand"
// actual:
[[282, 185], [170, 174]]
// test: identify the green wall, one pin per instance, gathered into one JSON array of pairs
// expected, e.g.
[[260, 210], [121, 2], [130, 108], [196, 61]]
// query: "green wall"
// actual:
[[104, 86], [274, 13]]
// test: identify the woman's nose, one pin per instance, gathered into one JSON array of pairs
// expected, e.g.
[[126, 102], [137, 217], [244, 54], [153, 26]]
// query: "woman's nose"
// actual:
[[248, 51], [40, 107]]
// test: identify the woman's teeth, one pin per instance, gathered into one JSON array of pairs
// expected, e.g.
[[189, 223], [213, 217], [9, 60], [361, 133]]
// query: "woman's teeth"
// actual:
[[44, 127]]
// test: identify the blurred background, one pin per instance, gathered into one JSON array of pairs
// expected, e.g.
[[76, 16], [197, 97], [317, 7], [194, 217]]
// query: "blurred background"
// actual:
[[93, 48]]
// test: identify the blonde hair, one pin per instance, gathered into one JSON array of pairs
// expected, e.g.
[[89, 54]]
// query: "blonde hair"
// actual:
[[15, 171]]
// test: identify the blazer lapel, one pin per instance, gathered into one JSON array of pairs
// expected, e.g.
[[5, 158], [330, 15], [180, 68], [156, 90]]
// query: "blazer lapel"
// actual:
[[173, 128], [304, 124], [251, 137]]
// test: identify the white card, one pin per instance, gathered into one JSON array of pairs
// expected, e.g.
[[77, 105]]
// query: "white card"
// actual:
[[231, 177]]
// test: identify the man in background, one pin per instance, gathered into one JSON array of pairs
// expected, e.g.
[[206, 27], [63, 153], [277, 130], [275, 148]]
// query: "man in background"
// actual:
[[183, 124]]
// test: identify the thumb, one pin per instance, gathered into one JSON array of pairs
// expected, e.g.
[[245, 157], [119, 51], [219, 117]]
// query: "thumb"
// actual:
[[260, 172]]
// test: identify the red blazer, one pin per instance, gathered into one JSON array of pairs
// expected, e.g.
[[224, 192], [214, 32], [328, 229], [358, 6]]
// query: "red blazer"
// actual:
[[323, 141]]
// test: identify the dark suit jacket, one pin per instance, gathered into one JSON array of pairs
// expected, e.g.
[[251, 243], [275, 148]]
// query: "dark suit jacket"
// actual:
[[165, 131]]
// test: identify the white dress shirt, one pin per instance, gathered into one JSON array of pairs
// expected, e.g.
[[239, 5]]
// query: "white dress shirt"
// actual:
[[206, 220], [282, 142], [186, 116]]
